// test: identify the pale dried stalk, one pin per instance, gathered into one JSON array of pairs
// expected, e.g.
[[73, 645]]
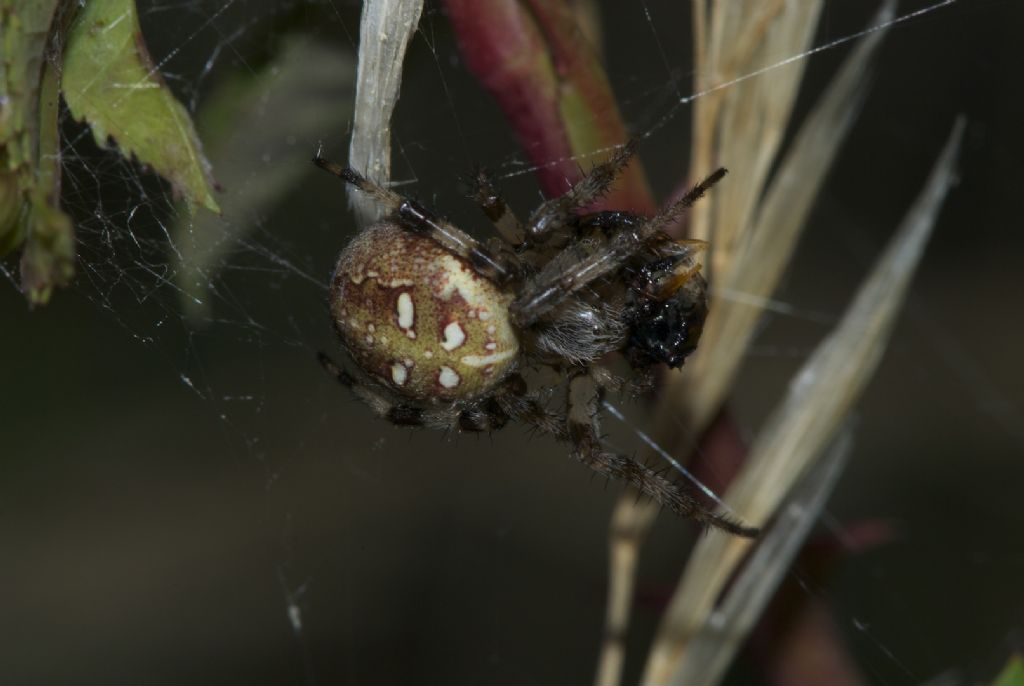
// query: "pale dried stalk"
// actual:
[[721, 136], [629, 526], [753, 118], [741, 126], [385, 29], [713, 648], [761, 253], [819, 398]]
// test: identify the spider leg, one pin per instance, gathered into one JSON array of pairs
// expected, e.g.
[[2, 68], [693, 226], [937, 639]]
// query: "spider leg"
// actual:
[[637, 384], [485, 415], [555, 283], [417, 219], [582, 425], [553, 214], [668, 217], [526, 408], [497, 210]]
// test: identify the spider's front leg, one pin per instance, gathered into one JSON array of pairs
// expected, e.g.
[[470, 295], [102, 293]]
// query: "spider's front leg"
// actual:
[[554, 214], [417, 219], [582, 424]]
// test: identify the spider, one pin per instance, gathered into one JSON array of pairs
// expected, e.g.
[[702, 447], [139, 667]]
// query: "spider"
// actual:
[[444, 329]]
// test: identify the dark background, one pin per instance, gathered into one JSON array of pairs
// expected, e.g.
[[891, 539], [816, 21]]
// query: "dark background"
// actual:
[[166, 491]]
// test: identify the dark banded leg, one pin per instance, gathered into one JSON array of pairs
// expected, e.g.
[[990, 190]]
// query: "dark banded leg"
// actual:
[[419, 220], [670, 215], [584, 398], [639, 383], [523, 406], [487, 415], [554, 214], [497, 210], [484, 416]]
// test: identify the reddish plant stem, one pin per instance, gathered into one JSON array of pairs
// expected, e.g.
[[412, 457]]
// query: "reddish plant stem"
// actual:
[[535, 61]]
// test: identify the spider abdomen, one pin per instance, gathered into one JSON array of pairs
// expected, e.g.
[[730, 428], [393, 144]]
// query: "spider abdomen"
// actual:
[[419, 318]]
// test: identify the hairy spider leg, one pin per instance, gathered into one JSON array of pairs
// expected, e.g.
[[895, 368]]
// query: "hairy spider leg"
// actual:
[[527, 408], [484, 415], [417, 219], [579, 426], [583, 429], [638, 384], [554, 214], [552, 286]]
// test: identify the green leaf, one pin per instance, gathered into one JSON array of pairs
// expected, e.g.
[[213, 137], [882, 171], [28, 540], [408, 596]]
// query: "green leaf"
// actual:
[[49, 257], [111, 82], [30, 213], [24, 32]]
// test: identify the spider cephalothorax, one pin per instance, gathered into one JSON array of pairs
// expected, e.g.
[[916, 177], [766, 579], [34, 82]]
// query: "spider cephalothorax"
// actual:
[[443, 328]]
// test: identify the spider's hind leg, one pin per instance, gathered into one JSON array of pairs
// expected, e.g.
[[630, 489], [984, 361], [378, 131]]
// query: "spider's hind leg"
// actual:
[[584, 400]]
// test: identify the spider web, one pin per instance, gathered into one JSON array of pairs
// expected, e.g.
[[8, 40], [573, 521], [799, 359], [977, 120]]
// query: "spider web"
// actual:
[[190, 499]]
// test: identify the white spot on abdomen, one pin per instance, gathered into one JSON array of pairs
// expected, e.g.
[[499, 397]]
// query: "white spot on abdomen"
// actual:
[[448, 377], [484, 360], [454, 336], [406, 311], [399, 373]]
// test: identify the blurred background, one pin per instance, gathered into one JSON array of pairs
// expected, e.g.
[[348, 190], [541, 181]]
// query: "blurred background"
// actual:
[[185, 497]]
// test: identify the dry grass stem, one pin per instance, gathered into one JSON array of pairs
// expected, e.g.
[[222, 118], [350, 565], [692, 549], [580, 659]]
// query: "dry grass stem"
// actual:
[[385, 29], [750, 230], [713, 648], [818, 401], [742, 124], [760, 253], [628, 527]]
